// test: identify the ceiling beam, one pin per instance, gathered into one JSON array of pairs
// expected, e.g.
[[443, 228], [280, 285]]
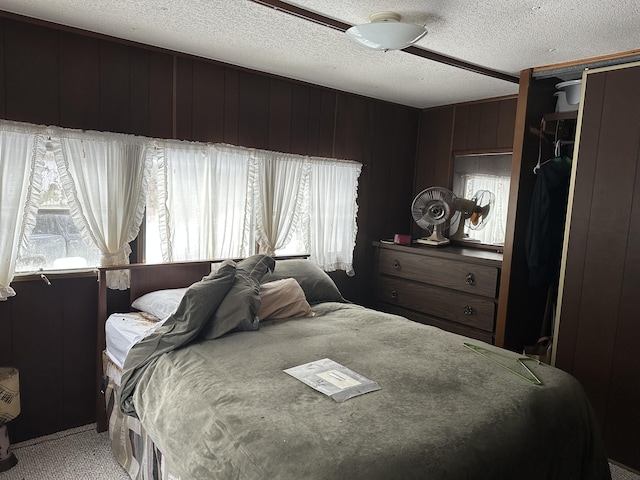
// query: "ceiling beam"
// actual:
[[413, 50]]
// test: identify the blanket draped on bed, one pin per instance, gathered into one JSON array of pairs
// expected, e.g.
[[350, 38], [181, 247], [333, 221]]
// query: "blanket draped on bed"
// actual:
[[224, 408], [222, 301]]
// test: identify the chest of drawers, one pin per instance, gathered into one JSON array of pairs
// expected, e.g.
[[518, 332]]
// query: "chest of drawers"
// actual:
[[450, 287]]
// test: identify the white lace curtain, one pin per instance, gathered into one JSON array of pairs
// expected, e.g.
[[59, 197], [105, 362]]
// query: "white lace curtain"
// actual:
[[105, 178], [21, 150], [280, 197], [200, 202], [220, 201], [332, 211], [205, 201]]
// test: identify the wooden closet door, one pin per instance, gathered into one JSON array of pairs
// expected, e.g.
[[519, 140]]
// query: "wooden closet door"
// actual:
[[598, 326]]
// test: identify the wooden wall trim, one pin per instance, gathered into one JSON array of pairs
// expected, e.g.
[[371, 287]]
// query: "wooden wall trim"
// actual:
[[472, 102], [516, 166], [586, 61]]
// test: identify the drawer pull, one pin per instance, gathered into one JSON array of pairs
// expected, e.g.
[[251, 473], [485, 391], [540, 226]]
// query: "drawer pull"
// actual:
[[468, 310], [394, 294], [396, 265], [470, 279]]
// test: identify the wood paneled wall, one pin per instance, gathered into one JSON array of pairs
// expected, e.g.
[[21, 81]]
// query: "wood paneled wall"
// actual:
[[486, 126], [60, 76], [598, 329], [49, 334]]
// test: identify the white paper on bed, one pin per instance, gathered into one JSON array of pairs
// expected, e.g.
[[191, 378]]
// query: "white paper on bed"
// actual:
[[333, 379], [123, 330]]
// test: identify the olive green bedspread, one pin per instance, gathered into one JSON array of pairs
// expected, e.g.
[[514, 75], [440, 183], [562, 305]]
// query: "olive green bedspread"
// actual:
[[224, 408]]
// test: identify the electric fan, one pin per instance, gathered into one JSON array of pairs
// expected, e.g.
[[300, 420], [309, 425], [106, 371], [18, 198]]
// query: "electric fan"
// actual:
[[433, 210], [474, 213]]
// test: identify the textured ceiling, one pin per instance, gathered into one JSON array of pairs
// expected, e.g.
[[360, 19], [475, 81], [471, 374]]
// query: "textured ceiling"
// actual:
[[503, 35]]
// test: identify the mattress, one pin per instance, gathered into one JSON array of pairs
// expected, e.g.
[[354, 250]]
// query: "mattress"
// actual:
[[123, 330]]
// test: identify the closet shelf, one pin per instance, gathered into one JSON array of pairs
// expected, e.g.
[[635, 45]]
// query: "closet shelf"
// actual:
[[555, 116]]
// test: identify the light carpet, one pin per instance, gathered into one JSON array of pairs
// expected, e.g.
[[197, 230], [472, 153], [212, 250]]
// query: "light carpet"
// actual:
[[79, 453], [83, 454]]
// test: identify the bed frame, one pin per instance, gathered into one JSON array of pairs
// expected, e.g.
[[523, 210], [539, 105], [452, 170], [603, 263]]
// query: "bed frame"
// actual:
[[145, 278]]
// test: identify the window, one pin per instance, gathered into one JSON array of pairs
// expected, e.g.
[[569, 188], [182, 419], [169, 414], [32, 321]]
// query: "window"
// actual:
[[64, 189], [55, 243], [221, 201], [490, 172]]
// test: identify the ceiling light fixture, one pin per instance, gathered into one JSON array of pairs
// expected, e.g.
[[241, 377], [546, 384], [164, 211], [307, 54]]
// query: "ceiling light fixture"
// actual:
[[386, 32]]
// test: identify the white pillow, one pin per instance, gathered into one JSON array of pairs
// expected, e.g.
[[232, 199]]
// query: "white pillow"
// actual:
[[161, 303]]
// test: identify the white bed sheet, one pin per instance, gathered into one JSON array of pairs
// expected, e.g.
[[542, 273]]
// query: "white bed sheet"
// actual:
[[123, 330]]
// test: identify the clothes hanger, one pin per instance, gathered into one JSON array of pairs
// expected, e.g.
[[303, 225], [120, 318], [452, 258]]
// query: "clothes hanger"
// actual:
[[557, 145], [490, 354], [540, 137]]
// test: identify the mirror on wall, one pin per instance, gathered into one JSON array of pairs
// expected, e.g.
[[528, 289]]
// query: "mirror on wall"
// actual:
[[482, 183]]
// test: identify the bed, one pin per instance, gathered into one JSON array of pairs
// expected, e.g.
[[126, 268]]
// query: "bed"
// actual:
[[206, 394]]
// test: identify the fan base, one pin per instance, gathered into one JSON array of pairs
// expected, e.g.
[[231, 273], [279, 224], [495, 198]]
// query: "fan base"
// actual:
[[432, 242]]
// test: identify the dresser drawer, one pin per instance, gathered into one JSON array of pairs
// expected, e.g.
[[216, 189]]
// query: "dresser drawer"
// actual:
[[454, 327], [470, 310], [466, 277]]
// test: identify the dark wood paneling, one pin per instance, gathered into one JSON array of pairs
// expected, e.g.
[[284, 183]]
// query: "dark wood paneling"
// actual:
[[184, 98], [598, 334], [313, 121], [79, 82], [489, 125], [601, 275], [31, 73], [139, 91], [327, 108], [51, 347], [280, 105], [622, 433], [253, 111], [403, 124], [435, 148], [231, 106], [350, 127], [484, 125], [466, 131], [208, 104], [78, 308], [161, 114], [381, 172], [300, 119], [579, 228], [115, 90], [506, 123], [38, 339], [6, 350], [2, 62]]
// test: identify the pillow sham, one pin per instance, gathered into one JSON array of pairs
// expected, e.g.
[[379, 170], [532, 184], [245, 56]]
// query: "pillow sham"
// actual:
[[238, 309], [282, 299], [160, 303], [317, 285]]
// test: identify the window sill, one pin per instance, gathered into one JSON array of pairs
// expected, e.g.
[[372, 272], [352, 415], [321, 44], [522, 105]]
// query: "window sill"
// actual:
[[51, 274]]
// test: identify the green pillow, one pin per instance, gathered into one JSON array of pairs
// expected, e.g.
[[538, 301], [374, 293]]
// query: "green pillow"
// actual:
[[317, 285]]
